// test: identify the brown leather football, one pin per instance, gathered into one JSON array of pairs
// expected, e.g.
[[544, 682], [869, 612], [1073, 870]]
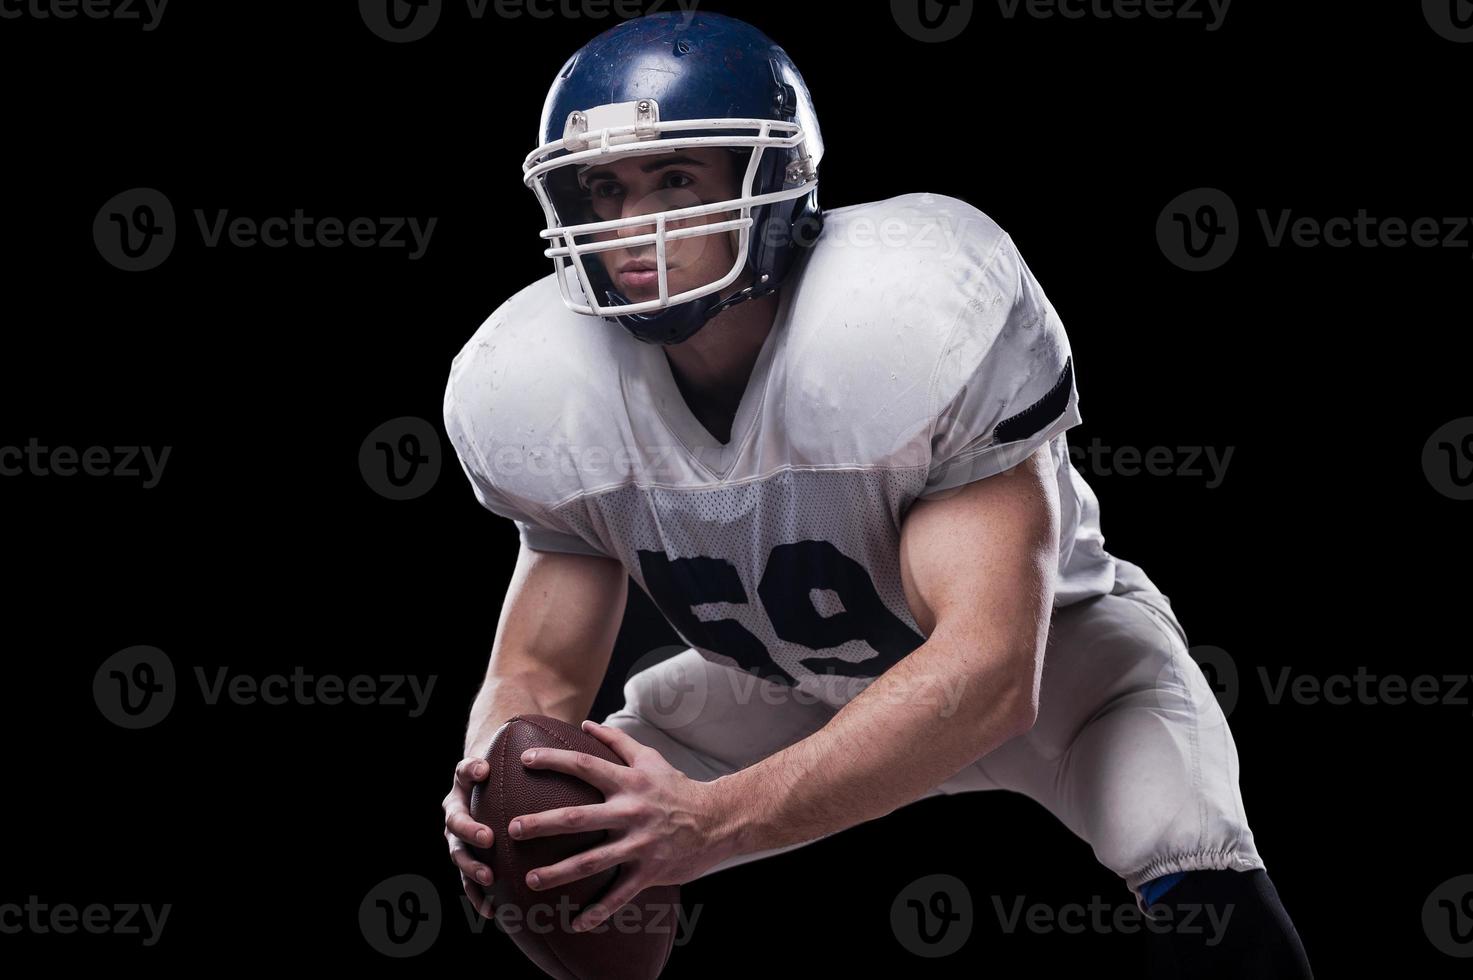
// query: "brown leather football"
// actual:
[[538, 921]]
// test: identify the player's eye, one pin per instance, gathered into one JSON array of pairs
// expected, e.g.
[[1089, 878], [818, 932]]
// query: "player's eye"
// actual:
[[608, 189]]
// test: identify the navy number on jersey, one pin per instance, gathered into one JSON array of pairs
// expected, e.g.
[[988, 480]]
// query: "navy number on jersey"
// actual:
[[791, 574]]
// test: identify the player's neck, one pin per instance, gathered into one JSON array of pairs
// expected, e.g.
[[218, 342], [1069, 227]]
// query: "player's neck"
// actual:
[[713, 366]]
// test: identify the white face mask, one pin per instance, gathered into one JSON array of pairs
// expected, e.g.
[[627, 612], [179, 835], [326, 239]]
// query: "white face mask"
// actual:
[[619, 130]]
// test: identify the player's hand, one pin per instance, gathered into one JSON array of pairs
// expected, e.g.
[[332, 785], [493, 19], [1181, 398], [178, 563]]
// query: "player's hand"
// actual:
[[664, 827], [461, 831]]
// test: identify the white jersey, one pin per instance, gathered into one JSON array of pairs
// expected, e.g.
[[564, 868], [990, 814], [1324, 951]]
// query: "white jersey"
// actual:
[[913, 352]]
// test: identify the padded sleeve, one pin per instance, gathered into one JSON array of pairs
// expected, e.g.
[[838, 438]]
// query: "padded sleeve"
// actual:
[[1005, 384], [538, 529]]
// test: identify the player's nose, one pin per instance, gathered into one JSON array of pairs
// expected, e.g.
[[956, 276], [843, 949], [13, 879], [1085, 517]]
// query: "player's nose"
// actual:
[[637, 209]]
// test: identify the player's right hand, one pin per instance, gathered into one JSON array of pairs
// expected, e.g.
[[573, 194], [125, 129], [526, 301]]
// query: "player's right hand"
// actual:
[[461, 831]]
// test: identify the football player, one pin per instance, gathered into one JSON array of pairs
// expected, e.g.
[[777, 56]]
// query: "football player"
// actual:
[[831, 447]]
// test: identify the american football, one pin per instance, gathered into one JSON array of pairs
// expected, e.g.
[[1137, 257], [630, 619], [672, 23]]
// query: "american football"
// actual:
[[626, 947]]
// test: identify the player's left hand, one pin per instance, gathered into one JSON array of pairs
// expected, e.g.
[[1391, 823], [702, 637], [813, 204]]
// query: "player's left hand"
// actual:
[[664, 827]]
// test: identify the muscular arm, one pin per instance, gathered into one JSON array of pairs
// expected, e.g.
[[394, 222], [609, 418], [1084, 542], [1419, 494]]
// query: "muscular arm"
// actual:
[[978, 568], [553, 642]]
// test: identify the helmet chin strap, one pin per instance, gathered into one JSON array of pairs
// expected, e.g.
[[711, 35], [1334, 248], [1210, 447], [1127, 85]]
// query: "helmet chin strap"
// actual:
[[744, 291], [676, 323]]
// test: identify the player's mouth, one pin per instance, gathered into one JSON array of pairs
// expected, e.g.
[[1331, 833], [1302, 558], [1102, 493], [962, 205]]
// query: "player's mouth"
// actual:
[[640, 274]]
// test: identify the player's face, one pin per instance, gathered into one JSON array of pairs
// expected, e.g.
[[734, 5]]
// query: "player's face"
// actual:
[[647, 184]]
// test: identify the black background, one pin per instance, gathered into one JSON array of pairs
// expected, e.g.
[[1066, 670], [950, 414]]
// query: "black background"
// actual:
[[263, 548]]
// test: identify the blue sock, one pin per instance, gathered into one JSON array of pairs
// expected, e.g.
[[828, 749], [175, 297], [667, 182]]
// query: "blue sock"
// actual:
[[1152, 890]]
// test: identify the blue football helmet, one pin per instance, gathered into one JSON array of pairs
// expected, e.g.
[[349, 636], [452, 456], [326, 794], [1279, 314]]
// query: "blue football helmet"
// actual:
[[658, 84]]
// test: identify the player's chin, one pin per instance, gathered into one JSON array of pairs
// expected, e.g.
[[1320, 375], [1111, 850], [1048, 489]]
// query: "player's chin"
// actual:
[[647, 287]]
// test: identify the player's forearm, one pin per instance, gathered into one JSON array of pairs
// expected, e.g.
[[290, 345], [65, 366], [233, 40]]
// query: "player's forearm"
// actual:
[[917, 725], [501, 698], [553, 641]]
